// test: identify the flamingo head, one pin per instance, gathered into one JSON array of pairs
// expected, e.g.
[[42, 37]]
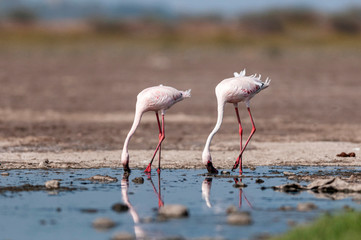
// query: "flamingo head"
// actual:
[[125, 161]]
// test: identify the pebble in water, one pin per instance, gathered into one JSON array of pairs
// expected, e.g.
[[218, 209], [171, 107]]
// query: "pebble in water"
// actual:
[[173, 211], [120, 207], [5, 174], [138, 180], [305, 207], [52, 184], [103, 223], [239, 218], [123, 236]]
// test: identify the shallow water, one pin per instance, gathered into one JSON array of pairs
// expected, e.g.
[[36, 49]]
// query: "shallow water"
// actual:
[[60, 215]]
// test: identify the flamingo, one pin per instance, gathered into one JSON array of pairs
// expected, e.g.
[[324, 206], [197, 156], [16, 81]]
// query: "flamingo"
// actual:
[[158, 98], [240, 88]]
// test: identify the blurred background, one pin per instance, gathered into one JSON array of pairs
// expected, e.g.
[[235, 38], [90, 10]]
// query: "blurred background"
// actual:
[[70, 70]]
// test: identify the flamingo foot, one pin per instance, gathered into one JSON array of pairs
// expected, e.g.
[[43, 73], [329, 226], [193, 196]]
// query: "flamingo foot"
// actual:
[[236, 164], [148, 169], [210, 168]]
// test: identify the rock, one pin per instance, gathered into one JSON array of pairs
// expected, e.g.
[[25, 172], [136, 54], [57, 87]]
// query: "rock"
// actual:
[[305, 207], [120, 207], [231, 209], [52, 184], [288, 173], [286, 208], [89, 210], [101, 178], [343, 154], [239, 184], [289, 188], [123, 236], [44, 163], [332, 185], [225, 172], [5, 174], [173, 211], [103, 223], [239, 218], [138, 180], [259, 181], [252, 168]]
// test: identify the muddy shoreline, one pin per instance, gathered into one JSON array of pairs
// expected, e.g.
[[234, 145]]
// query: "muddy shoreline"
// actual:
[[259, 154]]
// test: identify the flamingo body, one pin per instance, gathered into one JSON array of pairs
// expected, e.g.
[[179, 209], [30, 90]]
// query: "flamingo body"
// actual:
[[240, 88], [158, 98]]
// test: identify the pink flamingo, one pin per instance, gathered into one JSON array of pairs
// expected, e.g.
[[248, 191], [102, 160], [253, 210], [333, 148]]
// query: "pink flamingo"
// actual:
[[158, 98], [240, 88]]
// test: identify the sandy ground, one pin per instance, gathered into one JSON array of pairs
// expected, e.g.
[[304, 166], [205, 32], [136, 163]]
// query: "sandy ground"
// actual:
[[74, 107], [260, 153]]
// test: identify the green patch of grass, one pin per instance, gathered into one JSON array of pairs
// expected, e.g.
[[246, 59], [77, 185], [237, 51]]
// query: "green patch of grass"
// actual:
[[345, 226]]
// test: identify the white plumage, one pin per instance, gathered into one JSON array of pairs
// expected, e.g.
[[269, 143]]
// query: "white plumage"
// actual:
[[158, 98], [240, 88]]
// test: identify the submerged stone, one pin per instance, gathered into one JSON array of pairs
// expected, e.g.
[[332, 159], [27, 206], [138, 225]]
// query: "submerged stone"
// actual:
[[305, 207], [52, 184], [138, 180], [239, 218], [103, 223], [173, 211]]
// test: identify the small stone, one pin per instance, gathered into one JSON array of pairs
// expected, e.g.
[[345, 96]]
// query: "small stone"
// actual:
[[288, 173], [231, 209], [138, 180], [173, 211], [239, 218], [5, 174], [286, 208], [44, 163], [103, 223], [252, 168], [239, 184], [120, 207], [352, 154], [343, 154], [305, 207], [52, 184], [225, 172], [259, 181], [123, 236], [101, 178], [89, 210]]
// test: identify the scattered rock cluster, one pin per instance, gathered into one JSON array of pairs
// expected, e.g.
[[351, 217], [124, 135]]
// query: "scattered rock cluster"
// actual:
[[343, 154]]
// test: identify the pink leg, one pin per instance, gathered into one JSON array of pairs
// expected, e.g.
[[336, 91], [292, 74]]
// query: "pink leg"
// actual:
[[239, 159], [161, 139], [249, 138]]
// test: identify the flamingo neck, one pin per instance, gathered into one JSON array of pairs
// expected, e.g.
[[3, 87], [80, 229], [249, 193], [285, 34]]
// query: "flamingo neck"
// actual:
[[137, 118], [206, 156]]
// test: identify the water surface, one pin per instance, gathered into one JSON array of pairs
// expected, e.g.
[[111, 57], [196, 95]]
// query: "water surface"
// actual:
[[69, 214]]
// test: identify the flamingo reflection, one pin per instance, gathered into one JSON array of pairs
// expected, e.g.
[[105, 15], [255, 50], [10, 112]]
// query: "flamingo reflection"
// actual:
[[206, 190], [139, 232]]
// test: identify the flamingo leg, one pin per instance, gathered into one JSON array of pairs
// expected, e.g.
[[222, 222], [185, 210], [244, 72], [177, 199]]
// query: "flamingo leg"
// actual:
[[239, 159], [160, 136], [249, 138], [161, 139]]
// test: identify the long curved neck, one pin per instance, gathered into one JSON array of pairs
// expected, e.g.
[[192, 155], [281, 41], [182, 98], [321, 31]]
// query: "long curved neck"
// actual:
[[137, 118], [206, 151]]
